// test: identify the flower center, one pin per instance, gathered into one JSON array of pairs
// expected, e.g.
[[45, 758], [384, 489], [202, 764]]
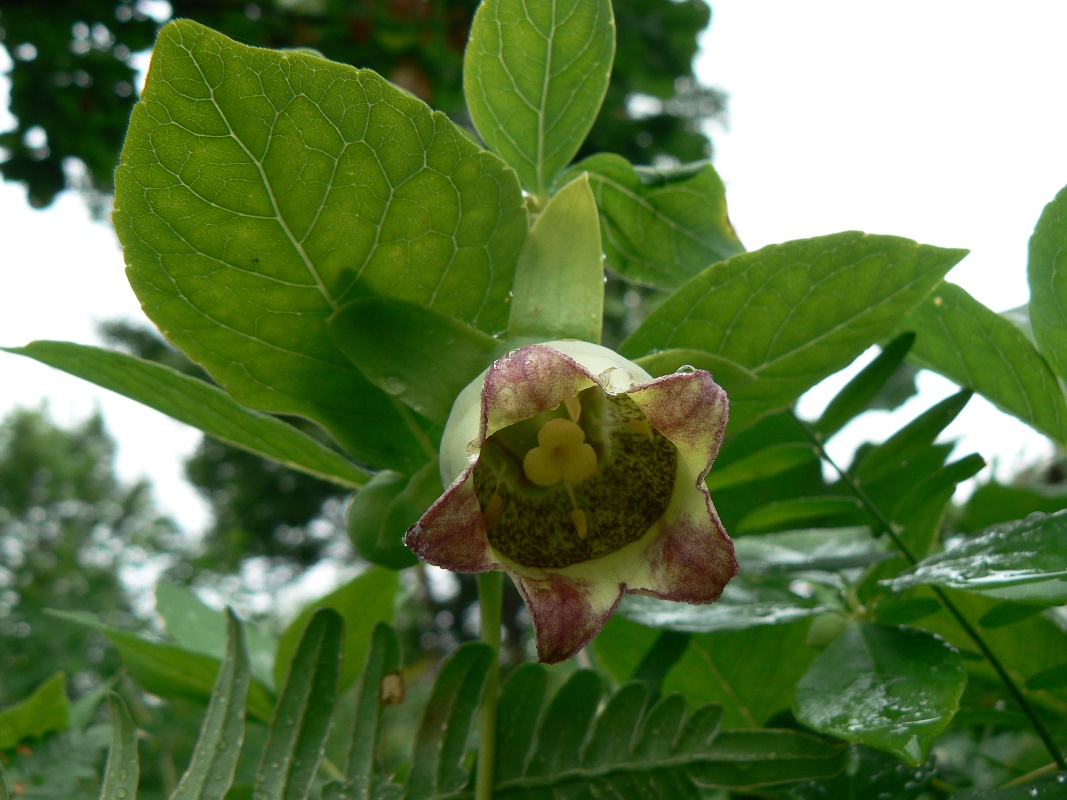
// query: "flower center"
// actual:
[[575, 483]]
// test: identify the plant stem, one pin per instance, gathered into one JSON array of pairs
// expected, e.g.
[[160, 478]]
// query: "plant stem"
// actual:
[[490, 594], [968, 628]]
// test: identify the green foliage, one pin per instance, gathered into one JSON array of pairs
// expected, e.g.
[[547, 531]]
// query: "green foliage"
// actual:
[[47, 709], [1047, 275], [123, 765]]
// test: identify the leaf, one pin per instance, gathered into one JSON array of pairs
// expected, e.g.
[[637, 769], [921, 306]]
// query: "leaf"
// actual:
[[728, 374], [534, 75], [199, 404], [963, 340], [437, 766], [1047, 787], [559, 280], [1046, 273], [261, 191], [660, 225], [892, 688], [1024, 561], [303, 716], [383, 663], [861, 391], [198, 628], [417, 355], [521, 700], [46, 710], [365, 522], [790, 512], [5, 787], [1051, 678], [214, 759], [123, 766], [766, 463], [630, 750], [870, 773], [1006, 614], [169, 671], [794, 313], [363, 602]]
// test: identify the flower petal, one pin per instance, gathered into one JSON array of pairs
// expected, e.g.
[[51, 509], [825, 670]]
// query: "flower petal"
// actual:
[[567, 612], [451, 534]]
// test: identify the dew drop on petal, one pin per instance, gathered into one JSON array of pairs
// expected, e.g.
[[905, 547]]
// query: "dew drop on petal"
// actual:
[[685, 369], [616, 381], [474, 449]]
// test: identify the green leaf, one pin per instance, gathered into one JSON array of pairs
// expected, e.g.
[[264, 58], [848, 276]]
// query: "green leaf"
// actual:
[[123, 766], [870, 773], [534, 75], [198, 628], [366, 517], [794, 313], [904, 446], [1007, 614], [1047, 787], [363, 602], [5, 787], [977, 348], [362, 769], [888, 687], [196, 403], [765, 463], [169, 671], [417, 355], [437, 766], [1046, 273], [214, 759], [861, 391], [559, 280], [660, 225], [728, 374], [303, 716], [660, 659], [629, 749], [1051, 678], [521, 699], [261, 191], [47, 709], [782, 513], [1024, 561]]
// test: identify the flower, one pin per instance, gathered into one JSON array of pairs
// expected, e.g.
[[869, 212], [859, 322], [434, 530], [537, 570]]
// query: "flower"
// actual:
[[582, 477]]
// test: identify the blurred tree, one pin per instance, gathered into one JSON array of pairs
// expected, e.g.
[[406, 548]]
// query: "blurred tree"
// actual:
[[70, 532], [73, 72]]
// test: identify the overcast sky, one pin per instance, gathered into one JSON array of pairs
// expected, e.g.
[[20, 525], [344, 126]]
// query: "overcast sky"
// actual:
[[939, 121]]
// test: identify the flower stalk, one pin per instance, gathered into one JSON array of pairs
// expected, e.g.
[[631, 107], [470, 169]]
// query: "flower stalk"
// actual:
[[490, 598]]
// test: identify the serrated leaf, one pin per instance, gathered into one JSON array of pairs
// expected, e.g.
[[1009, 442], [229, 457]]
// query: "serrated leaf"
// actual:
[[1046, 273], [888, 687], [631, 750], [660, 225], [123, 766], [900, 449], [968, 343], [1024, 561], [765, 463], [534, 75], [261, 191], [214, 759], [303, 716], [199, 404], [441, 742], [559, 280], [794, 313], [363, 602], [170, 671], [415, 354], [859, 392], [47, 709], [782, 513]]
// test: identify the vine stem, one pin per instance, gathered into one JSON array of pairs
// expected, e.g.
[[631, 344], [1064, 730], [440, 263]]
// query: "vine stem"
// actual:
[[490, 596], [968, 628]]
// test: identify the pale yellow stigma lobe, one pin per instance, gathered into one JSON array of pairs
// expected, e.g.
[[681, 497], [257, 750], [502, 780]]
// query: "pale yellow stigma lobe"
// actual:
[[562, 454]]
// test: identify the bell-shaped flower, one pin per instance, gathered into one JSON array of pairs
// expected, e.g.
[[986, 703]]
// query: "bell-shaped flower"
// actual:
[[582, 477]]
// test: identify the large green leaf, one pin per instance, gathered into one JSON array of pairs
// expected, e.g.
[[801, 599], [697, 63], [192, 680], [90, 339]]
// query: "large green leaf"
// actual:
[[123, 765], [1047, 275], [1024, 561], [628, 749], [214, 759], [977, 348], [303, 716], [259, 192], [363, 602], [196, 403], [888, 687], [794, 313], [535, 74], [47, 709], [559, 280], [660, 225]]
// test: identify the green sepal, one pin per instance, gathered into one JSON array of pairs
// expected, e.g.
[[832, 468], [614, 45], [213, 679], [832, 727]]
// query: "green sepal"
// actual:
[[382, 511]]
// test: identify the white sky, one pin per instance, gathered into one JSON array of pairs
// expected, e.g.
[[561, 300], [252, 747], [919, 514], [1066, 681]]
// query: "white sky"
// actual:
[[941, 121]]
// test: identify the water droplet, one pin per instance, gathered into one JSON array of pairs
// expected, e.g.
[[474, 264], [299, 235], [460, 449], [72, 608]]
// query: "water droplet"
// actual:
[[474, 449], [123, 774], [393, 385], [616, 380], [686, 369], [1061, 778], [1033, 792], [120, 793], [510, 353]]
